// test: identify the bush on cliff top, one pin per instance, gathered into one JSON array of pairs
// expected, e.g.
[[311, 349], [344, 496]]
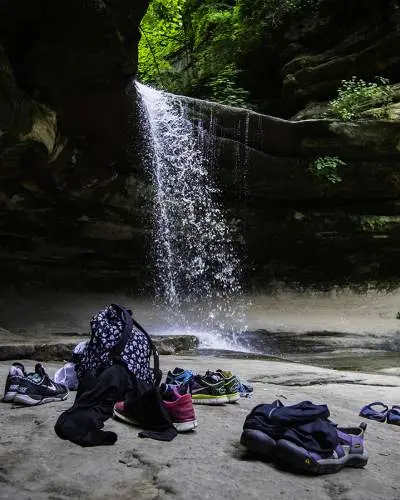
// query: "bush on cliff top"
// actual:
[[356, 95]]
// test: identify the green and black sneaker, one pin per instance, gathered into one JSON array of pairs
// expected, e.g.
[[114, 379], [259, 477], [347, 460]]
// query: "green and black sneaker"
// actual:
[[208, 391], [231, 383]]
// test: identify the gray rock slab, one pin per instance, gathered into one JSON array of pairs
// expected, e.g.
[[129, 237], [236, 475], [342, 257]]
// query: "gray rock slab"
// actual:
[[208, 463], [62, 349]]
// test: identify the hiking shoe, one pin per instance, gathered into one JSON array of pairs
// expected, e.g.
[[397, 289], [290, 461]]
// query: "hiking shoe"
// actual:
[[350, 452], [207, 391], [258, 442], [120, 413], [179, 376], [180, 409], [37, 388], [259, 434], [15, 374], [393, 415], [231, 383]]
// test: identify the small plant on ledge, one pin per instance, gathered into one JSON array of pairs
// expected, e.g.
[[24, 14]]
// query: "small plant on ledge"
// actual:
[[356, 95], [326, 168]]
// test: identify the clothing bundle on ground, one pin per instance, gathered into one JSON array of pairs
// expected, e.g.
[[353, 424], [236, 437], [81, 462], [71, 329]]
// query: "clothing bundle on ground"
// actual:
[[67, 375], [303, 437]]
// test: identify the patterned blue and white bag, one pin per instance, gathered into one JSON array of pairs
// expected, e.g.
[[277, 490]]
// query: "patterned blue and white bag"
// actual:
[[117, 338]]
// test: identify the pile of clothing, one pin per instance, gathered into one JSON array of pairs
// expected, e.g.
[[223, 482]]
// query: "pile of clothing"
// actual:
[[302, 437]]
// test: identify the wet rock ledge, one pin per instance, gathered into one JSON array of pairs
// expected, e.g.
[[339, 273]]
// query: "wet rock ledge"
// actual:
[[59, 350]]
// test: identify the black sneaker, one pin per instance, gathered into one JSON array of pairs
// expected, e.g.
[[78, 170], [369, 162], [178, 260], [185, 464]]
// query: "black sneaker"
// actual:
[[15, 374], [37, 388]]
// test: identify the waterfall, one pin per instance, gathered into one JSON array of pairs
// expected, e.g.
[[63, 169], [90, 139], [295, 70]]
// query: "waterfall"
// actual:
[[198, 270]]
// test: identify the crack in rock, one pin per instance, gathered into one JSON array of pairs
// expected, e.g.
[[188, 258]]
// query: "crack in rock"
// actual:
[[134, 458], [309, 379]]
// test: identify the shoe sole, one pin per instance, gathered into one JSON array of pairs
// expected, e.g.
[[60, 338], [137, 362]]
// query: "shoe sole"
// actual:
[[294, 455], [27, 400], [9, 396], [209, 400], [185, 426], [257, 442], [127, 420], [233, 398]]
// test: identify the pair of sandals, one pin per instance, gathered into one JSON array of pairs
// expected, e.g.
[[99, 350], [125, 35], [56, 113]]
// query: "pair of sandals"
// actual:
[[380, 412]]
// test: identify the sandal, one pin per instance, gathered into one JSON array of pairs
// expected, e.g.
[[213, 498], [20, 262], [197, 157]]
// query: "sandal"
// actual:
[[393, 415], [372, 413]]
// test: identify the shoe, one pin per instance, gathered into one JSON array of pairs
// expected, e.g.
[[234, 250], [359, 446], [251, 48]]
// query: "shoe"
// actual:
[[180, 409], [258, 442], [120, 413], [350, 452], [37, 388], [179, 376], [15, 374], [259, 433], [231, 383], [393, 415], [245, 390], [207, 391], [371, 411]]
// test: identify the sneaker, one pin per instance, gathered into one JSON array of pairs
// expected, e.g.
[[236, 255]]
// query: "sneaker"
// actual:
[[179, 376], [37, 388], [393, 415], [231, 383], [245, 390], [15, 374], [180, 409], [350, 452], [207, 391], [120, 413]]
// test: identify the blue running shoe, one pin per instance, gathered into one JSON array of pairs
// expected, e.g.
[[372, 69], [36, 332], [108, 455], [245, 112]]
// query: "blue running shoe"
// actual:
[[350, 452], [393, 415], [372, 412], [179, 376], [245, 390]]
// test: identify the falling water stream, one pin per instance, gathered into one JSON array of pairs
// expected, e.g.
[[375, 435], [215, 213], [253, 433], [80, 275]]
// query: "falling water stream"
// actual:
[[197, 267]]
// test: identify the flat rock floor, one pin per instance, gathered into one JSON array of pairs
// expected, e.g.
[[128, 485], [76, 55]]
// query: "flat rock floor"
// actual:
[[208, 463]]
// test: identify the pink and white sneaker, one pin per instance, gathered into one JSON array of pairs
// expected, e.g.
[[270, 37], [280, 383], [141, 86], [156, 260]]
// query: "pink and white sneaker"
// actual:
[[180, 409]]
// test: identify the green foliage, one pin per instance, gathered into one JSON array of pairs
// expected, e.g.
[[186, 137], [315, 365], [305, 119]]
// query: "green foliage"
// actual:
[[213, 28], [188, 47], [224, 90], [163, 36], [195, 47], [259, 19], [326, 168], [356, 95]]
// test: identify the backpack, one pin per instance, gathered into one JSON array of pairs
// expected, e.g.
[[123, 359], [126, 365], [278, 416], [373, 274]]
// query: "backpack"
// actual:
[[117, 338]]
